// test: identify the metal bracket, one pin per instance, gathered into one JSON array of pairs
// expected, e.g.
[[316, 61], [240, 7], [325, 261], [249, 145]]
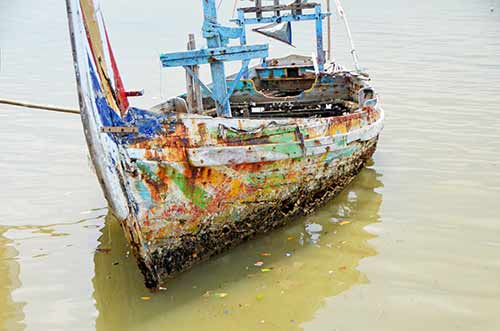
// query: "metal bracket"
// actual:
[[119, 129]]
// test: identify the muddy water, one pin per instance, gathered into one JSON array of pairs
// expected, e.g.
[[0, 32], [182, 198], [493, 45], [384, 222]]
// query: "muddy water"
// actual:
[[413, 243]]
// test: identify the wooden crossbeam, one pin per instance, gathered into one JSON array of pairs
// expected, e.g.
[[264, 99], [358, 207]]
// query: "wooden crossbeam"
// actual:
[[292, 7], [211, 55]]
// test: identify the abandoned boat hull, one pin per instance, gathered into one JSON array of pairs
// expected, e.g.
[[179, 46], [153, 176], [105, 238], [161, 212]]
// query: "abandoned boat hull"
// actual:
[[212, 183], [186, 186]]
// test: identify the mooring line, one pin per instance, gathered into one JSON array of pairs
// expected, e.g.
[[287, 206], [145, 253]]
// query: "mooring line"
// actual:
[[35, 106]]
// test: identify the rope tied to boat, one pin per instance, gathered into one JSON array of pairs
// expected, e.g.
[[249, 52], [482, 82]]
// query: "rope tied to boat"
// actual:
[[30, 105]]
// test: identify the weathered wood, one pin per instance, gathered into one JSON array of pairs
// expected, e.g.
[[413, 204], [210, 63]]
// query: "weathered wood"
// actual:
[[258, 5], [35, 106], [119, 129], [189, 80], [329, 32], [299, 10], [293, 6], [277, 3], [197, 98], [186, 187]]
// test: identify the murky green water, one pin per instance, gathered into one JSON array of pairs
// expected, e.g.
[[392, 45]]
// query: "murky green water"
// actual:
[[421, 251]]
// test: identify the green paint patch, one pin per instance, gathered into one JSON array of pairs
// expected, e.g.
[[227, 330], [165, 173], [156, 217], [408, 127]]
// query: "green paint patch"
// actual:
[[271, 135], [266, 180], [292, 149], [147, 171], [198, 196]]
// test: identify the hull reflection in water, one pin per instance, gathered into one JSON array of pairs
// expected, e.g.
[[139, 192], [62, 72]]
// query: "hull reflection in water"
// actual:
[[303, 264], [11, 312]]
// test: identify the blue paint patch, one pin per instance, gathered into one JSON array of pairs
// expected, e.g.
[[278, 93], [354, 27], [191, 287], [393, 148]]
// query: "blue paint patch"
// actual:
[[148, 123], [144, 194]]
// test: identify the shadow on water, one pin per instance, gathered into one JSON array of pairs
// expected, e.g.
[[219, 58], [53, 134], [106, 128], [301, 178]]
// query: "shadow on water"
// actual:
[[313, 258], [11, 312]]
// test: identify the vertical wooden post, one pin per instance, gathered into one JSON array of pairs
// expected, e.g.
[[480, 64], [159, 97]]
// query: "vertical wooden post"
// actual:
[[219, 87], [194, 96], [189, 83], [319, 38], [329, 32], [258, 5]]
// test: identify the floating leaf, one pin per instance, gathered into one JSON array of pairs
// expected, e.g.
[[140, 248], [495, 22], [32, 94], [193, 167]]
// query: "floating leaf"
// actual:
[[344, 222], [291, 238], [265, 254], [221, 295], [146, 298], [343, 268], [259, 264], [266, 270], [259, 296], [103, 250]]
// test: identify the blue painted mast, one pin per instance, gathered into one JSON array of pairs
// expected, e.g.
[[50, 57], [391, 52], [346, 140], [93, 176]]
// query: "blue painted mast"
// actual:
[[216, 53], [216, 68]]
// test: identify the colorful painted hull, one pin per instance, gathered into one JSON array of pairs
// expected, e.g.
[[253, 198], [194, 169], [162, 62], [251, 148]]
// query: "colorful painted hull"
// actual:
[[185, 186]]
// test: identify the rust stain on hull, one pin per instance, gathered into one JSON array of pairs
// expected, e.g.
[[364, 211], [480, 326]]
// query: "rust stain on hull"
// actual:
[[216, 234]]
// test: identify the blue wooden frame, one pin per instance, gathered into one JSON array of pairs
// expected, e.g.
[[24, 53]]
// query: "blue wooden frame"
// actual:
[[216, 53], [318, 17]]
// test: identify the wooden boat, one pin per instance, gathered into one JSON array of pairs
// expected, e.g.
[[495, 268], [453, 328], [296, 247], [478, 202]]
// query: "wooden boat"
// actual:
[[203, 172]]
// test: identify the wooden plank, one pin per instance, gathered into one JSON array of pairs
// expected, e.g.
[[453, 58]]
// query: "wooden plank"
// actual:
[[119, 129], [210, 55], [189, 80], [297, 11], [293, 6]]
